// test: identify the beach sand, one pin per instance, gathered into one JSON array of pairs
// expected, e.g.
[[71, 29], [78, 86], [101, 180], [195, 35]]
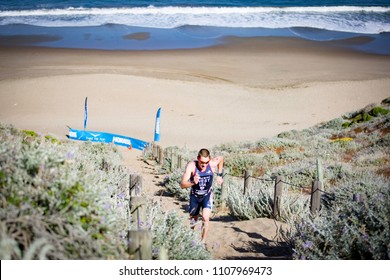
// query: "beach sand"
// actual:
[[243, 91]]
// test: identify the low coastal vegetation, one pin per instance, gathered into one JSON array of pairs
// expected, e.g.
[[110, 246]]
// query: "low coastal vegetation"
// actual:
[[353, 152], [69, 200], [56, 200]]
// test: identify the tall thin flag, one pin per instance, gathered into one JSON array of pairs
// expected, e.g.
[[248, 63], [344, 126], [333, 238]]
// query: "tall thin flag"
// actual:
[[157, 127], [85, 112]]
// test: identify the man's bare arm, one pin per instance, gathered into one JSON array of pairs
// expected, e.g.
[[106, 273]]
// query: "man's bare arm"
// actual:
[[185, 180]]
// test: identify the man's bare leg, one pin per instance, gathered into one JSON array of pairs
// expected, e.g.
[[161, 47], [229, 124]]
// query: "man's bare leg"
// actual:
[[206, 219], [194, 221]]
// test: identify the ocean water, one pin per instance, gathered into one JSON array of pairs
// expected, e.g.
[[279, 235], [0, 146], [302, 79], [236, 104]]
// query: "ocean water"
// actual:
[[173, 24]]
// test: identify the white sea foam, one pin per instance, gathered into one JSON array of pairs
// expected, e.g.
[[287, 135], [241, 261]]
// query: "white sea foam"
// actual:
[[341, 18], [192, 10]]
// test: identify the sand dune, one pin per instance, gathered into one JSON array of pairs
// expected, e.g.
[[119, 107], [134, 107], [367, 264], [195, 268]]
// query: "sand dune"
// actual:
[[243, 91]]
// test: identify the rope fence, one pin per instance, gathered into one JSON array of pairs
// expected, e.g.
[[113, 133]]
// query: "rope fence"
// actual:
[[140, 240], [178, 161]]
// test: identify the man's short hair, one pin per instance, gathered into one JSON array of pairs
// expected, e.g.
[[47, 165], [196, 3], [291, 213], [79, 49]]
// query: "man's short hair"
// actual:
[[204, 153]]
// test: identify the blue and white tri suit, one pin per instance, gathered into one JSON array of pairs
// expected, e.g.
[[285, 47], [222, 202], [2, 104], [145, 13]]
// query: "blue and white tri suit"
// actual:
[[201, 195]]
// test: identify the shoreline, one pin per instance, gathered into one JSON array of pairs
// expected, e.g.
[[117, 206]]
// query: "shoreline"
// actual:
[[242, 91], [119, 37]]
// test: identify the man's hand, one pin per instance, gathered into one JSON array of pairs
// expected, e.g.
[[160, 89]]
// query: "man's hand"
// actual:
[[196, 178], [219, 180]]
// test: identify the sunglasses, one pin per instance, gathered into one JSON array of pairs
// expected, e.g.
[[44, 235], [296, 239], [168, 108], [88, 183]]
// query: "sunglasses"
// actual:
[[204, 162]]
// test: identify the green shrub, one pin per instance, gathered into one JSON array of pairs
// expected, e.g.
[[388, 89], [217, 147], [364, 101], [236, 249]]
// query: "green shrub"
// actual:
[[57, 202], [171, 232], [348, 229], [259, 200], [172, 184], [30, 133], [377, 111]]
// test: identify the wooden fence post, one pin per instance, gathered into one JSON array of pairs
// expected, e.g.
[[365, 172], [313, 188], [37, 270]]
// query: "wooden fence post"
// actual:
[[135, 185], [179, 161], [183, 162], [140, 244], [277, 196], [165, 153], [247, 180], [137, 202], [224, 185], [163, 254], [140, 240], [315, 197], [138, 210], [148, 151], [320, 174], [154, 151], [160, 155], [173, 161]]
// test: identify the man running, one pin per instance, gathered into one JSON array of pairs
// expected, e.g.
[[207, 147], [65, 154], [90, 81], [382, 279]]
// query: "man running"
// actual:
[[199, 177]]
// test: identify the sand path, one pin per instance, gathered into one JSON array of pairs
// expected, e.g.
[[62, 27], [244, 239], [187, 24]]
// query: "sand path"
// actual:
[[228, 237]]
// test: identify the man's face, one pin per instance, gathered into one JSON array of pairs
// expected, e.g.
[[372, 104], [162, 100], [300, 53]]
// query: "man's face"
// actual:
[[203, 162]]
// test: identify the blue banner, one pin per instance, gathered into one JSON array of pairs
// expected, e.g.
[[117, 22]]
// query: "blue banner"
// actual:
[[157, 127], [85, 112], [85, 135]]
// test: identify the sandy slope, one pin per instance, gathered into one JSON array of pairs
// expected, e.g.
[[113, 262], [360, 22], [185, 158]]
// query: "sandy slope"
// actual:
[[228, 237]]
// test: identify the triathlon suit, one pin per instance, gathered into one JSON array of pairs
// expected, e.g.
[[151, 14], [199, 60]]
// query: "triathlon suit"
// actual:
[[201, 193]]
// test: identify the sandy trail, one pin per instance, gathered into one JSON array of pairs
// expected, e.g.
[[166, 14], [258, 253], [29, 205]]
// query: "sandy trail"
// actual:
[[228, 238]]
